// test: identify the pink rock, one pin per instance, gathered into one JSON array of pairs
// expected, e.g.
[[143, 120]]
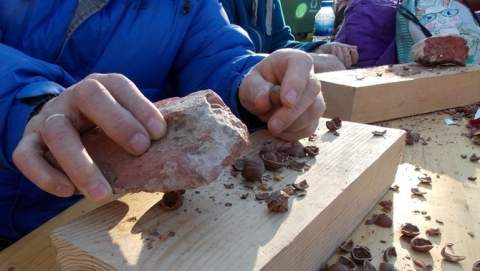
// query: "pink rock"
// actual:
[[441, 50], [203, 138]]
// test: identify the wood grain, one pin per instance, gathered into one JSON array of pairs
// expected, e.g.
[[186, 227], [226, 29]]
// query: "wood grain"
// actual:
[[391, 92], [352, 172]]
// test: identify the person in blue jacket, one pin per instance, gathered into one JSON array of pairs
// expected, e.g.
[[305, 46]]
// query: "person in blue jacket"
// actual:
[[67, 66], [264, 22]]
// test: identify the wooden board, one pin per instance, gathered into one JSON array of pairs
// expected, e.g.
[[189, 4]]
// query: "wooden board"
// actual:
[[352, 172], [391, 92], [451, 198]]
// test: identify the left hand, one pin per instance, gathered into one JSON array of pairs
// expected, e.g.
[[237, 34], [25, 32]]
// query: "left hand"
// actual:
[[347, 54], [301, 102]]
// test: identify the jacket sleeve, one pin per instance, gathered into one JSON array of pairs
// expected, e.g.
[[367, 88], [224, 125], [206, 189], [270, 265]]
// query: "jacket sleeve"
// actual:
[[214, 55], [282, 36], [22, 77]]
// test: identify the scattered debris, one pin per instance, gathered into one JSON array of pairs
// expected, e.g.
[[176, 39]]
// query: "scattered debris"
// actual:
[[228, 204], [433, 232], [395, 188], [381, 220], [389, 253], [386, 205], [253, 169], [228, 185], [244, 196], [272, 161], [360, 254], [311, 151], [476, 266], [463, 156], [379, 133], [303, 185], [387, 267], [347, 261], [334, 124], [346, 247], [410, 230], [289, 189], [474, 158], [471, 234], [412, 137], [448, 254], [421, 266], [264, 187], [312, 138], [471, 178], [439, 221], [421, 244], [172, 200], [278, 202], [425, 180], [359, 77], [417, 192], [131, 219], [262, 195]]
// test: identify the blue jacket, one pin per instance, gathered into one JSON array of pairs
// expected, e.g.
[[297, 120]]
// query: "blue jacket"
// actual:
[[265, 24], [167, 47]]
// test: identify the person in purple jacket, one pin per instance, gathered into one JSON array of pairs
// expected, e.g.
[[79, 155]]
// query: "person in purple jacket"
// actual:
[[67, 66]]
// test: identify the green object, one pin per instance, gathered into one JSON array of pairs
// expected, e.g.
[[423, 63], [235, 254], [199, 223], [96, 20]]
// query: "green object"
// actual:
[[300, 14]]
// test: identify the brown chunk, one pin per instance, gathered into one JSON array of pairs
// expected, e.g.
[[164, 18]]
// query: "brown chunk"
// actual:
[[311, 151], [474, 158], [303, 185], [172, 200], [334, 124], [421, 244], [421, 266], [386, 205], [381, 220], [253, 169], [289, 189], [417, 192], [389, 253], [347, 261], [410, 230], [448, 254], [471, 178], [441, 50], [292, 149], [360, 254], [425, 180], [278, 202], [272, 160], [262, 195], [433, 232]]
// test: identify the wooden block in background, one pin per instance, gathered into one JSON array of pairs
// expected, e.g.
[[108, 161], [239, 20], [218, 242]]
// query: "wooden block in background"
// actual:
[[351, 173], [391, 92]]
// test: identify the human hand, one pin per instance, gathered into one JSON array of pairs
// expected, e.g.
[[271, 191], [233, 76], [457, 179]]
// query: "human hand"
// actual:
[[347, 54], [326, 63], [301, 103], [110, 101]]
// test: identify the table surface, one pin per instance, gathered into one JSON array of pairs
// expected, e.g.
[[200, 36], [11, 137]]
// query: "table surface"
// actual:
[[451, 199]]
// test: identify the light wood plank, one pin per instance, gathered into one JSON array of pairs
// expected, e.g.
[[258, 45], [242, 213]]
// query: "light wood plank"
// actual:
[[391, 92], [350, 175]]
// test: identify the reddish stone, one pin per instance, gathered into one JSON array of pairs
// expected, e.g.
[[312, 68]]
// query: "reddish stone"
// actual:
[[441, 50]]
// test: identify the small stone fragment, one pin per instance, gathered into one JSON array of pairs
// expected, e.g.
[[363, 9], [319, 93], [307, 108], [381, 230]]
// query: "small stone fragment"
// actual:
[[471, 178], [387, 267], [395, 188], [381, 220], [439, 221], [244, 196], [474, 158], [303, 185], [360, 254], [334, 124], [464, 156], [311, 151], [278, 202], [410, 230], [292, 149], [228, 185], [272, 161], [412, 137], [253, 170], [421, 266], [132, 219], [379, 133], [425, 180], [289, 189], [476, 266], [433, 232], [448, 254], [262, 195], [421, 244], [389, 253], [343, 260], [228, 204], [471, 234], [417, 192], [264, 187], [172, 200], [386, 205], [346, 247], [312, 138]]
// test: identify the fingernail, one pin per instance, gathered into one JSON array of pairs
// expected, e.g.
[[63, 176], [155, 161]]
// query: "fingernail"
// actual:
[[291, 96], [276, 126], [97, 191], [63, 190], [156, 128], [139, 143]]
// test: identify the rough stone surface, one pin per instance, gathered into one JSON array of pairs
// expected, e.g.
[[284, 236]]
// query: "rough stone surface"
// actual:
[[203, 138], [441, 50]]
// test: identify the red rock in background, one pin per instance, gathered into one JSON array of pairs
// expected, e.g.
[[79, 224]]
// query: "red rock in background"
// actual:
[[441, 50], [203, 138]]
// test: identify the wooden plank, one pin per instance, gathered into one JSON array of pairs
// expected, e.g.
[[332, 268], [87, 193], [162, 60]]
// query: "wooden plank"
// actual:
[[352, 172], [451, 198], [391, 92]]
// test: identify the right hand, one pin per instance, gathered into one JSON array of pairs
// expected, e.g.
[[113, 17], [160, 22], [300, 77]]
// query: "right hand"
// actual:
[[326, 63], [110, 101]]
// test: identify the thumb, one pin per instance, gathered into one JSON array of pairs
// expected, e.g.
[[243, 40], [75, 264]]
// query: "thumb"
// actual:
[[254, 93]]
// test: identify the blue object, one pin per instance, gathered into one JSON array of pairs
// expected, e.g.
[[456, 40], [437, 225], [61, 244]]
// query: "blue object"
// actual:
[[242, 13], [166, 49], [324, 21]]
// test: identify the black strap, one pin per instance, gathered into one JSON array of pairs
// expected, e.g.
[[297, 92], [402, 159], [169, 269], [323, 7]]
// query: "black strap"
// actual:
[[410, 16]]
